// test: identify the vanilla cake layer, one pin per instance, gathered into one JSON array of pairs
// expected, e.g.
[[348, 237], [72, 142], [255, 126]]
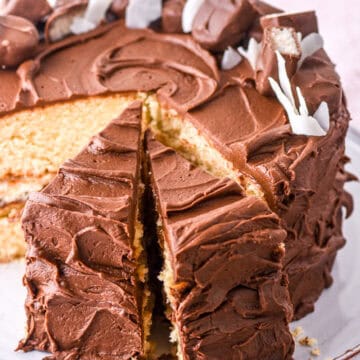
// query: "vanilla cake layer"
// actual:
[[35, 142]]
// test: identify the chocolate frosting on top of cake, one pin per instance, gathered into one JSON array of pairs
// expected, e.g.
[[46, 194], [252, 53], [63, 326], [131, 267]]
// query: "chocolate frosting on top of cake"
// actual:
[[18, 40], [175, 66], [81, 270], [138, 60]]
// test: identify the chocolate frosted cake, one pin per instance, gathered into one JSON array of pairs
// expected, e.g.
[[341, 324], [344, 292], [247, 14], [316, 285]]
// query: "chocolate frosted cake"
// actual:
[[86, 271], [223, 254], [242, 97]]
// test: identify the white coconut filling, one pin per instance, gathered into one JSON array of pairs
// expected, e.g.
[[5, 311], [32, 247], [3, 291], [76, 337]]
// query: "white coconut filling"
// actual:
[[283, 41]]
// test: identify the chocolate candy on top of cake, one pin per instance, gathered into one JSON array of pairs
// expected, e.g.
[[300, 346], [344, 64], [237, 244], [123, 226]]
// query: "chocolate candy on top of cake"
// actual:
[[18, 40], [219, 24], [34, 11]]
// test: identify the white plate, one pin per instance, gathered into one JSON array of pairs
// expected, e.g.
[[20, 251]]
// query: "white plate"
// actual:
[[335, 323]]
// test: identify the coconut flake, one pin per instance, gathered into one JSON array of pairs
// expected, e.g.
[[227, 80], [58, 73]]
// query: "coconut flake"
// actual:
[[322, 115], [94, 14], [81, 25], [141, 13], [252, 52], [309, 46], [96, 10], [230, 59], [52, 3], [283, 78], [190, 10], [300, 121]]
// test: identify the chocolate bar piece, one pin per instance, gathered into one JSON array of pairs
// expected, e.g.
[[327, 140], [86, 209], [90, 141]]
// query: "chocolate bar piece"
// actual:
[[286, 42], [219, 24], [303, 22]]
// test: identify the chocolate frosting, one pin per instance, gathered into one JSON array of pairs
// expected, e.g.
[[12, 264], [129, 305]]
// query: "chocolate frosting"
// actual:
[[84, 299], [302, 177], [19, 40], [219, 24], [34, 11], [220, 242]]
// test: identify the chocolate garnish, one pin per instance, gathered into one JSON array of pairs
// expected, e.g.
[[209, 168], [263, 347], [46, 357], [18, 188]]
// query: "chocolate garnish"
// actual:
[[219, 24], [261, 8], [284, 40], [31, 10], [303, 22], [18, 41], [171, 16], [58, 23]]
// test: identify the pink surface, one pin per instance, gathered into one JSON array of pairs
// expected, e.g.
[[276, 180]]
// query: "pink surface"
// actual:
[[339, 23]]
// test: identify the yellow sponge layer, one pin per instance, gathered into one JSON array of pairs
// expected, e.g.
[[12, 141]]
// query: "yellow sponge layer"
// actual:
[[37, 141]]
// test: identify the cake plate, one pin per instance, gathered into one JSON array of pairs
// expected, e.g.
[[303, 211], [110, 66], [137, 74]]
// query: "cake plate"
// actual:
[[335, 324]]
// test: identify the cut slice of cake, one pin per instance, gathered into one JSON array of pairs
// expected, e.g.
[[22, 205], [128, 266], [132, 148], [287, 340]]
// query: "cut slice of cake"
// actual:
[[34, 143], [86, 271], [247, 136], [223, 253]]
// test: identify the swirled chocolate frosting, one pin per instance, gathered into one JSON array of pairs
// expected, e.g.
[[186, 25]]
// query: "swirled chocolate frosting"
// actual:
[[84, 298]]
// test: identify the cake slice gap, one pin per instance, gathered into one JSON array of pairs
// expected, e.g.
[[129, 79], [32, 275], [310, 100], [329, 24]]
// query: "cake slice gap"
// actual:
[[86, 272], [222, 273]]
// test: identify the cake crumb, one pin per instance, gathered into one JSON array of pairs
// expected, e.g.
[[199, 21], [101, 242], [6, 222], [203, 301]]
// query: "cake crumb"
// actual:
[[307, 341], [297, 331], [315, 352]]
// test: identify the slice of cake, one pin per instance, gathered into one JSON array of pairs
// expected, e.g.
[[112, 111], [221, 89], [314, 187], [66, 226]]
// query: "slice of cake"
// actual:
[[247, 136], [86, 271], [223, 254]]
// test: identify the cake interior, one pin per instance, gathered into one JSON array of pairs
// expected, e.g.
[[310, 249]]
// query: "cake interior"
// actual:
[[178, 133]]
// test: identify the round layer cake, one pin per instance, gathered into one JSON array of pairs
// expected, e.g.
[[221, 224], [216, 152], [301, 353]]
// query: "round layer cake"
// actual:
[[240, 89]]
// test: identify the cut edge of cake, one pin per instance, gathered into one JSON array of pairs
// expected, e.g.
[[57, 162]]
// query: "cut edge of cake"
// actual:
[[171, 287], [73, 192]]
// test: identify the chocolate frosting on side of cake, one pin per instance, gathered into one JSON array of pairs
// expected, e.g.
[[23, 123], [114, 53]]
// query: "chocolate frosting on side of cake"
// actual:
[[302, 177], [219, 24], [229, 292], [84, 299]]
